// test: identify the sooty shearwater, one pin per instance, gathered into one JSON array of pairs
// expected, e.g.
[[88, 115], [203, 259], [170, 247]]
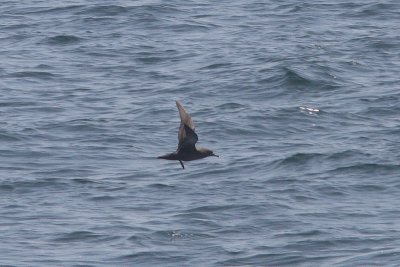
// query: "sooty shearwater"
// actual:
[[187, 149]]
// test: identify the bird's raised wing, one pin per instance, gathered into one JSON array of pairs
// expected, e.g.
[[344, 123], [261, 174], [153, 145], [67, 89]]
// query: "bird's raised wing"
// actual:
[[186, 135], [188, 143]]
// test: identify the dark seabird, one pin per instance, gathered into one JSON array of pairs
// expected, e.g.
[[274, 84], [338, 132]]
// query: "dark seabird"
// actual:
[[187, 149]]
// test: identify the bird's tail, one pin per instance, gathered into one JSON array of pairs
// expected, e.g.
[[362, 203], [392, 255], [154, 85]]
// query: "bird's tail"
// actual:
[[170, 156]]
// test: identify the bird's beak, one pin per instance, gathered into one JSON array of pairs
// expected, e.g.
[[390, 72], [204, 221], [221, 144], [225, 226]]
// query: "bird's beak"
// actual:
[[215, 155]]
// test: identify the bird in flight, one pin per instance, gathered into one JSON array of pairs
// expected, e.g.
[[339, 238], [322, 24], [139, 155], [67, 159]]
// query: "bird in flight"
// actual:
[[187, 137]]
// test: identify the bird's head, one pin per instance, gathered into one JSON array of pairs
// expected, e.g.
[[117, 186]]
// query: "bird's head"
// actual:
[[207, 152]]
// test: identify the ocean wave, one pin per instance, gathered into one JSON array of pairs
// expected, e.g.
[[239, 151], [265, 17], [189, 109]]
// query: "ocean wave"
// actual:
[[299, 159], [46, 10], [369, 168], [9, 137], [83, 236], [63, 40], [103, 10], [33, 74], [371, 257]]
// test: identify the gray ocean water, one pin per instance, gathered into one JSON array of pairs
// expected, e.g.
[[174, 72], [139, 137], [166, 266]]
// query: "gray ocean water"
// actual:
[[299, 99]]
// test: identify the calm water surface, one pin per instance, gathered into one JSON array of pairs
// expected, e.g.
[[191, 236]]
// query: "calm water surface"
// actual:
[[300, 100]]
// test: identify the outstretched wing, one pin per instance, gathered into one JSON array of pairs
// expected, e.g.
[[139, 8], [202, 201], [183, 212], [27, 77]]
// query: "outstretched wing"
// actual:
[[189, 142], [186, 135]]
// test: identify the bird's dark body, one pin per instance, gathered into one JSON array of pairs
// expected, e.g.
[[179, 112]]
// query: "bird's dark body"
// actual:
[[184, 156], [187, 150]]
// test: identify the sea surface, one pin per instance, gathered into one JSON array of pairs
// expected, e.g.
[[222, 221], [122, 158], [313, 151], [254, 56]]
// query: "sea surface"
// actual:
[[301, 100]]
